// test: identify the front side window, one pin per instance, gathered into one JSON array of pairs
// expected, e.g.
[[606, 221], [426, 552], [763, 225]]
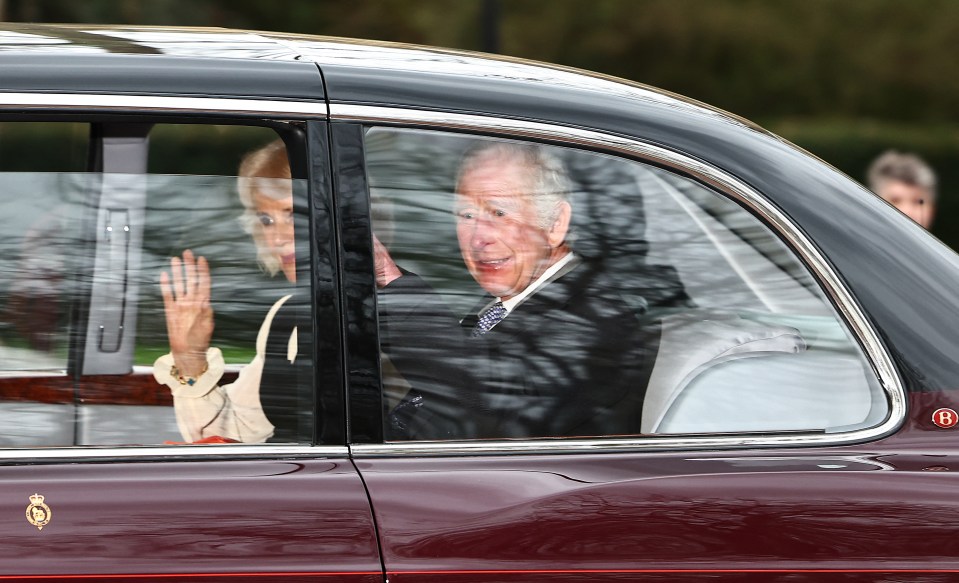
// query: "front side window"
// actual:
[[157, 294], [531, 291]]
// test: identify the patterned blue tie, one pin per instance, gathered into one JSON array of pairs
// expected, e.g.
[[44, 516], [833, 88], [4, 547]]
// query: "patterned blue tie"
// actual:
[[489, 318]]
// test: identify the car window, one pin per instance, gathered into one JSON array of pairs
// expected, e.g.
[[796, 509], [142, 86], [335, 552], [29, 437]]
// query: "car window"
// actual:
[[537, 291], [86, 353]]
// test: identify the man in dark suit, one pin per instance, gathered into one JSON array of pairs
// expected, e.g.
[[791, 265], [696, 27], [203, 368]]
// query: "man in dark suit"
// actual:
[[553, 350]]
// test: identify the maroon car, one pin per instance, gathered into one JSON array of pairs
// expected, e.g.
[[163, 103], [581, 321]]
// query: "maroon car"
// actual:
[[291, 308]]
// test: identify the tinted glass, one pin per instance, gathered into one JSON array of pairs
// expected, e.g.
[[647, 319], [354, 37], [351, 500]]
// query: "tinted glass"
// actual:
[[634, 301], [87, 334]]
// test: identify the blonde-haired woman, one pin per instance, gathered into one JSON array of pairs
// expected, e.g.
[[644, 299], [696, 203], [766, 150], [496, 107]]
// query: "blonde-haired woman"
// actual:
[[206, 410]]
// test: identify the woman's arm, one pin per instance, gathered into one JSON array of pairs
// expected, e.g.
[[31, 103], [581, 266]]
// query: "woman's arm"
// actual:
[[205, 409]]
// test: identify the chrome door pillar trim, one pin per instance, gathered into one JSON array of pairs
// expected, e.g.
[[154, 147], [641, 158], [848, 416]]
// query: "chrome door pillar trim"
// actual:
[[159, 104]]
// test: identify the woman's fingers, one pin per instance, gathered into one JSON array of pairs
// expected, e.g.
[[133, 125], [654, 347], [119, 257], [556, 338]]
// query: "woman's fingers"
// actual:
[[189, 271], [176, 270], [166, 291], [191, 278], [203, 282], [169, 306], [186, 305]]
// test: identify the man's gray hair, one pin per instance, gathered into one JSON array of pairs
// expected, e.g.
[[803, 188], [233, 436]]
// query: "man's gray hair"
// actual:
[[907, 168], [550, 184]]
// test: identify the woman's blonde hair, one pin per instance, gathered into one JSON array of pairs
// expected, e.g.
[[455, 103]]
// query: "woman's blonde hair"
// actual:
[[265, 170]]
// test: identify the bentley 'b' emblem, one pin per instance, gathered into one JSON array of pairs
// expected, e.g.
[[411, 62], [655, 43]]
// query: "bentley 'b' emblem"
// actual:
[[38, 513]]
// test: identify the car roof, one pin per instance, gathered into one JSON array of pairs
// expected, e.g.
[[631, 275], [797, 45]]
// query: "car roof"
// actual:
[[217, 61], [147, 61]]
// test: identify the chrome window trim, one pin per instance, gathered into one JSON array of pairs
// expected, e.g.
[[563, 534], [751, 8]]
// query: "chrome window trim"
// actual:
[[160, 104], [169, 453], [842, 299]]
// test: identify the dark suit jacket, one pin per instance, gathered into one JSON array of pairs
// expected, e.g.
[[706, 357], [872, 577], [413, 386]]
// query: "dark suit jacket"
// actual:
[[573, 359]]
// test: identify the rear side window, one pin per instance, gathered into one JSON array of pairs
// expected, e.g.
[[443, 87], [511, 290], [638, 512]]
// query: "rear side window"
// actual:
[[532, 291], [155, 286], [37, 205]]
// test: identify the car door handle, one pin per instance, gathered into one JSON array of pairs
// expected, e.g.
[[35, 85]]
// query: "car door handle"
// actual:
[[116, 234]]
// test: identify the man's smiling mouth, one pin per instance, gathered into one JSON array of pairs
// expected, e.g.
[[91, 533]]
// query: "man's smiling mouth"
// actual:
[[492, 264]]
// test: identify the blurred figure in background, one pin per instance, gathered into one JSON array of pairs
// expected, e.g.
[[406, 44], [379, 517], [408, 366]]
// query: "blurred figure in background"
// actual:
[[906, 182]]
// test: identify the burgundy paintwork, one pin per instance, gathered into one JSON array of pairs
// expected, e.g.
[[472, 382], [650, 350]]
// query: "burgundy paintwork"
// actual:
[[265, 520], [879, 511]]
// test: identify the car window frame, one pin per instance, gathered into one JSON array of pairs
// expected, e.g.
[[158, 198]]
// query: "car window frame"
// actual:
[[837, 293], [91, 108]]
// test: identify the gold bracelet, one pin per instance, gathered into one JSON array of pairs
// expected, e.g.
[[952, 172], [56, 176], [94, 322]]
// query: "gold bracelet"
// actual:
[[175, 373]]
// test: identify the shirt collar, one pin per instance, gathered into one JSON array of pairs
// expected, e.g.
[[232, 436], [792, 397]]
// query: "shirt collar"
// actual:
[[540, 281]]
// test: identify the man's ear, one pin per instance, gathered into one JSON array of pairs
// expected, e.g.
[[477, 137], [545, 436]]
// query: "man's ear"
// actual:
[[560, 227]]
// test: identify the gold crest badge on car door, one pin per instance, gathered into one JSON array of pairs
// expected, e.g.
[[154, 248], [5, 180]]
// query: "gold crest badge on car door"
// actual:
[[38, 513]]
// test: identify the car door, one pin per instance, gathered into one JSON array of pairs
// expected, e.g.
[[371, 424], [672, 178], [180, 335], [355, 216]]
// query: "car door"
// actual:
[[101, 476], [757, 453]]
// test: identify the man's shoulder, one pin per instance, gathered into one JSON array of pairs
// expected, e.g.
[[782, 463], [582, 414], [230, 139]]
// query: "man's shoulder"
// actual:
[[590, 286], [583, 285]]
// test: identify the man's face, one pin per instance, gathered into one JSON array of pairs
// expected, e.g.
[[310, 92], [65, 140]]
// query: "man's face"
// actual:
[[914, 201], [504, 248]]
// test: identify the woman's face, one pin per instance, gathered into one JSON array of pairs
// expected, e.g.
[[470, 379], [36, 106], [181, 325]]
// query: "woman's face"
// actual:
[[276, 220]]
